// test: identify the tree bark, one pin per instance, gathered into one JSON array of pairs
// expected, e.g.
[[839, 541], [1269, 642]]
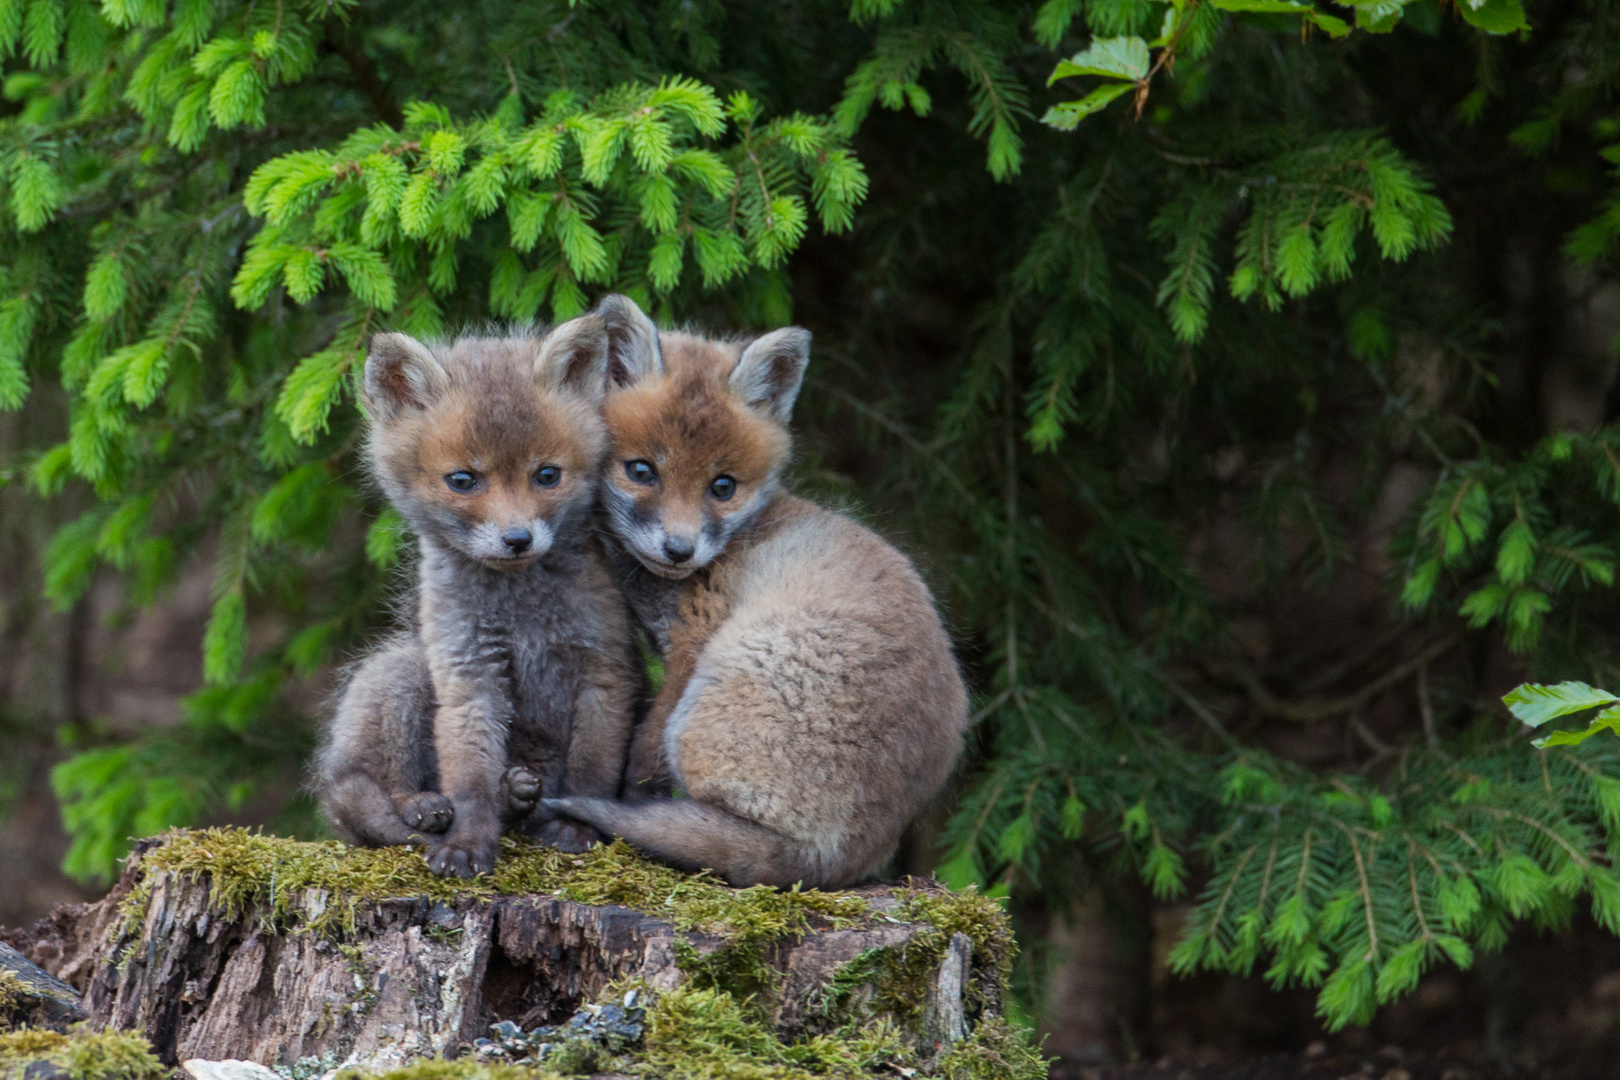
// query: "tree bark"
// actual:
[[420, 978]]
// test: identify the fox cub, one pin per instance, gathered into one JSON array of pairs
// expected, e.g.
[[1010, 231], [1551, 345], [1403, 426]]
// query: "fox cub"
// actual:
[[518, 679], [811, 705]]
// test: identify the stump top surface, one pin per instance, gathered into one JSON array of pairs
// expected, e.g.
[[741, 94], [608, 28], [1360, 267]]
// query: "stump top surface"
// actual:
[[321, 885]]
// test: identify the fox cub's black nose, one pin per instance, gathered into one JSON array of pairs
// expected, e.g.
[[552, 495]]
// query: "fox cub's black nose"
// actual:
[[678, 548], [517, 541]]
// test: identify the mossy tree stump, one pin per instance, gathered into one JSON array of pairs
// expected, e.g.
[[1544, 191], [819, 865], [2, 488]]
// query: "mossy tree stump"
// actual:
[[228, 944]]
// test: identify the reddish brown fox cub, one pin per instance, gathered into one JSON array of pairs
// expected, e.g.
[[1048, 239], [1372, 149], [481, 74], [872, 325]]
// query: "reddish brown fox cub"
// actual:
[[811, 705], [518, 678]]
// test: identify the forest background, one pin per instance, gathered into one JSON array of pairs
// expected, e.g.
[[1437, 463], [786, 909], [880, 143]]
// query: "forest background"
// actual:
[[1243, 383]]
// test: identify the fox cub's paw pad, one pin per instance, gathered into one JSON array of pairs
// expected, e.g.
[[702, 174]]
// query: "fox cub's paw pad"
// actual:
[[569, 836], [461, 860], [520, 791], [427, 811]]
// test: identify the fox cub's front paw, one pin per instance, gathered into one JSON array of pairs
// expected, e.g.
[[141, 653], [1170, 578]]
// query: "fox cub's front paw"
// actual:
[[570, 836], [520, 792], [463, 856], [427, 812], [456, 860]]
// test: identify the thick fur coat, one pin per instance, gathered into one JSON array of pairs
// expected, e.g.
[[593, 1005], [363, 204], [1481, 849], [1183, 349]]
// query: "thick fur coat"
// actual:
[[518, 678], [811, 706]]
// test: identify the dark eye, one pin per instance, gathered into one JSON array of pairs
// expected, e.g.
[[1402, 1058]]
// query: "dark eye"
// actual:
[[461, 480], [723, 488], [642, 472], [548, 475]]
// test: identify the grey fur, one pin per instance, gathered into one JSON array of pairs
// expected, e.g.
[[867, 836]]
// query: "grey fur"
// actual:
[[518, 679]]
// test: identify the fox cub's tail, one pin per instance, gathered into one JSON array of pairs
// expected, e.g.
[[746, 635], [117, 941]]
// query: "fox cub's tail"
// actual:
[[696, 836]]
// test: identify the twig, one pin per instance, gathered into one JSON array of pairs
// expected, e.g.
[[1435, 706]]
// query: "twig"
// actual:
[[1312, 711], [1426, 707], [1378, 746], [1366, 892], [1198, 708]]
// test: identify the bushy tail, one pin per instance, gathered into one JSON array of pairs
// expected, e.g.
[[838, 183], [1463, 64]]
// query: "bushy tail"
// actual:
[[696, 836]]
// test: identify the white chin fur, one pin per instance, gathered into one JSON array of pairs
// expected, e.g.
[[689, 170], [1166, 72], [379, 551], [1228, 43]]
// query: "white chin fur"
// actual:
[[665, 569]]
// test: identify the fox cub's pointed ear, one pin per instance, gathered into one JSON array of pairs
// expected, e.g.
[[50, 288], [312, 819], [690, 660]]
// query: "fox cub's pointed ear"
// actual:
[[768, 373], [633, 352], [402, 372], [573, 357]]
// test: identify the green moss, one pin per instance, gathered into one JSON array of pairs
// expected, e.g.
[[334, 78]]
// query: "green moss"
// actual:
[[250, 870], [12, 992], [460, 1069], [739, 969], [996, 1050], [966, 912], [29, 1044], [708, 1035], [902, 976], [85, 1055]]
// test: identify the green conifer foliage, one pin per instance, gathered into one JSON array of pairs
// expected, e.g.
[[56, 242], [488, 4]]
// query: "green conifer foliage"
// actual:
[[1237, 225]]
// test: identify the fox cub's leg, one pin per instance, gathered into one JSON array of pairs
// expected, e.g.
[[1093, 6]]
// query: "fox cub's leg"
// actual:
[[597, 741], [647, 774], [377, 762], [469, 734], [599, 728]]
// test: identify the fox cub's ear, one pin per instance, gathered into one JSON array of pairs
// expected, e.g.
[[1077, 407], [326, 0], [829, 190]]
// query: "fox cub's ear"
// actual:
[[633, 352], [573, 357], [402, 372], [768, 373]]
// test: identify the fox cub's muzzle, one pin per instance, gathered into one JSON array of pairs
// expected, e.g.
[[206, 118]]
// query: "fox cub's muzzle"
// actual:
[[507, 544]]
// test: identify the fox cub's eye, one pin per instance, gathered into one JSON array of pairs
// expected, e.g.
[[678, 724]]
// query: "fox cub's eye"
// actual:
[[548, 475], [723, 488], [461, 480], [642, 472]]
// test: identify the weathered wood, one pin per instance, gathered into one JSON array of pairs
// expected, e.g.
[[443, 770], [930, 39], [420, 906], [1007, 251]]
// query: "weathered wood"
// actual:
[[419, 977], [33, 996]]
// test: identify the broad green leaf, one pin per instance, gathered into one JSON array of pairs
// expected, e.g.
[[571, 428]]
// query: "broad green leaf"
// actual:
[[1329, 25], [1535, 703], [1067, 115], [1379, 17], [1495, 16], [1607, 720], [1112, 58]]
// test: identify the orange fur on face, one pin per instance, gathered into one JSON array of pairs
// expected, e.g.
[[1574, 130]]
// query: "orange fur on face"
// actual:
[[690, 426], [496, 421], [505, 447]]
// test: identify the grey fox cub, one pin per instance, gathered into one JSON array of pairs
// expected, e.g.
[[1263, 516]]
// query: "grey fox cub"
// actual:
[[811, 706], [518, 678]]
